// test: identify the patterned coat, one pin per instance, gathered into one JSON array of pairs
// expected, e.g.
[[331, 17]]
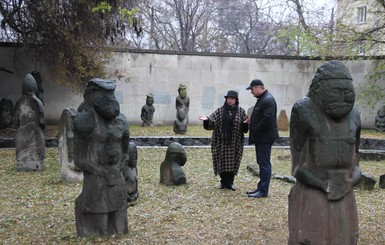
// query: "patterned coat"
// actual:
[[226, 157]]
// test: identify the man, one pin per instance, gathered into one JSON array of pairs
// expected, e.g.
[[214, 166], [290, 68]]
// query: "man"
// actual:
[[263, 132]]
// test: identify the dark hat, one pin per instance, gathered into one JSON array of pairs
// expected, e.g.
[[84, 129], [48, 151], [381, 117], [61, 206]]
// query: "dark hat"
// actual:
[[255, 82], [232, 93]]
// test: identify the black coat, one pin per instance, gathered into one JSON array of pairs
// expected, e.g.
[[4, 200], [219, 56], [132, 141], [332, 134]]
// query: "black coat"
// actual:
[[263, 120]]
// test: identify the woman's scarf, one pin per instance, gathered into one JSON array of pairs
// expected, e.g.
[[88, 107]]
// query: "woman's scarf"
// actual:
[[228, 116]]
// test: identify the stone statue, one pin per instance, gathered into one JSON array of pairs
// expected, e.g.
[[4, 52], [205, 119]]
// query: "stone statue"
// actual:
[[380, 120], [6, 113], [325, 136], [180, 124], [30, 122], [69, 171], [182, 101], [283, 121], [101, 142], [171, 172], [130, 172], [148, 112]]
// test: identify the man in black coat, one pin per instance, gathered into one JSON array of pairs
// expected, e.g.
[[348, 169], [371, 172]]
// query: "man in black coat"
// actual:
[[263, 133]]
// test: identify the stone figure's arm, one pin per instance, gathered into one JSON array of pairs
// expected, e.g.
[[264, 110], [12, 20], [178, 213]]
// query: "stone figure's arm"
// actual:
[[298, 138], [40, 111], [144, 114], [306, 177], [80, 159], [356, 175], [356, 171], [84, 123]]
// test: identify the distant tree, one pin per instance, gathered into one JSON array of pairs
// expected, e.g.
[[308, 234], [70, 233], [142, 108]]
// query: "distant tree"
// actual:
[[355, 39], [69, 35], [250, 26], [180, 25], [309, 30]]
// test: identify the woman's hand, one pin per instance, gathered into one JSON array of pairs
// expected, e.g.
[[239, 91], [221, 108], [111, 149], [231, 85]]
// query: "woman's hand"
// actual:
[[202, 118]]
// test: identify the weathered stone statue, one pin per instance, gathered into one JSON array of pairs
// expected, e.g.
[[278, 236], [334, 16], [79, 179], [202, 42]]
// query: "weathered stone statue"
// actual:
[[130, 172], [180, 124], [30, 122], [101, 143], [182, 101], [380, 120], [6, 113], [325, 135], [171, 172], [283, 121], [69, 171], [148, 112]]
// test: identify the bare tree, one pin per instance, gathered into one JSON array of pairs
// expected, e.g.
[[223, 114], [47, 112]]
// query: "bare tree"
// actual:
[[176, 24]]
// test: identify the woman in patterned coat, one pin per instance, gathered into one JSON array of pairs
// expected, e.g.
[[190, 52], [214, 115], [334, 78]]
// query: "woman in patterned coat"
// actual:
[[228, 126]]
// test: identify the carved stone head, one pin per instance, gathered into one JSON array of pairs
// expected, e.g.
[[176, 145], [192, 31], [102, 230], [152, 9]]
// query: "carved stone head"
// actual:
[[100, 94], [332, 89]]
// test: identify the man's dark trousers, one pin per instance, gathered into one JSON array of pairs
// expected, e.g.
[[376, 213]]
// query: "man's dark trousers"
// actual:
[[263, 152]]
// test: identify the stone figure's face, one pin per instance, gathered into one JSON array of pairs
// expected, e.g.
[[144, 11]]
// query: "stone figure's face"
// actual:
[[150, 100], [105, 104], [336, 97], [183, 93]]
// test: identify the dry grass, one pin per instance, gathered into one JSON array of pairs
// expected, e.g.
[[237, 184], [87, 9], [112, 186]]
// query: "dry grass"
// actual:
[[38, 208]]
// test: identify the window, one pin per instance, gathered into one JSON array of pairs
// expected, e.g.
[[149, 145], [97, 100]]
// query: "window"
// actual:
[[361, 15]]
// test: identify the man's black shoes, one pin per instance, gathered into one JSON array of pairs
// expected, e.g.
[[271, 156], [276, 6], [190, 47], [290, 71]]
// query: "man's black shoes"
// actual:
[[252, 191], [257, 194]]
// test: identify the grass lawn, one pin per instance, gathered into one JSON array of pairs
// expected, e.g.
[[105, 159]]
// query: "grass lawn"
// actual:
[[38, 208]]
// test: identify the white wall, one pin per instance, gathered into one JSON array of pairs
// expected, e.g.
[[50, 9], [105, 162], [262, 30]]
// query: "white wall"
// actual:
[[208, 78]]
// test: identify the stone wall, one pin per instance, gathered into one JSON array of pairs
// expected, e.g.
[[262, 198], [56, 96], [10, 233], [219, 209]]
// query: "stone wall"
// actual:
[[207, 77]]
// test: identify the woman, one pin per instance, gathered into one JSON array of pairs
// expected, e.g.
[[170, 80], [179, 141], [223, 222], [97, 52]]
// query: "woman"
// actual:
[[228, 126]]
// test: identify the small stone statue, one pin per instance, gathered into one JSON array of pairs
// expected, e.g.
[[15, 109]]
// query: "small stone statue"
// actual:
[[180, 124], [148, 112], [182, 101], [325, 136], [171, 172], [283, 121], [6, 113], [130, 172], [101, 142], [30, 122], [380, 120], [69, 171]]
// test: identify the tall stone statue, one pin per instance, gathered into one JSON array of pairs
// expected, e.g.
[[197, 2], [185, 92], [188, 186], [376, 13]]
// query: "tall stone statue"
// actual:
[[180, 124], [30, 122], [380, 120], [182, 101], [325, 136], [148, 110], [171, 172], [101, 143]]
